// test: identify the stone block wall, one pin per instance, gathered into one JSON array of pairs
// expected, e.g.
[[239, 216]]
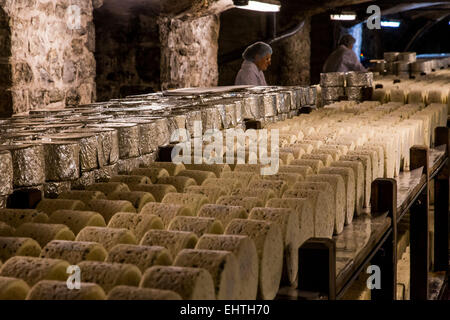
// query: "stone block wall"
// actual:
[[51, 57]]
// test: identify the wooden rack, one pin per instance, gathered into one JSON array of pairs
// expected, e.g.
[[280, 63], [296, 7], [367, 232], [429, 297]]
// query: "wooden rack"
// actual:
[[328, 267]]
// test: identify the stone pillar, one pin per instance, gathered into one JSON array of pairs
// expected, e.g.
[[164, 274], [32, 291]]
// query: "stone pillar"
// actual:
[[52, 44], [189, 52]]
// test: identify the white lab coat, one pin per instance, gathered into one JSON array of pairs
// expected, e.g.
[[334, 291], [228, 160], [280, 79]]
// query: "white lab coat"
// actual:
[[249, 74], [343, 59]]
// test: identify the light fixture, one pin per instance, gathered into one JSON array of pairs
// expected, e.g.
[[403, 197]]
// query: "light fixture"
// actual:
[[390, 24], [343, 16], [257, 5]]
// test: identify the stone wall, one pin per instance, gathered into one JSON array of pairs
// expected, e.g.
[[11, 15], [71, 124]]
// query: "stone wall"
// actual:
[[52, 62], [127, 53], [189, 52]]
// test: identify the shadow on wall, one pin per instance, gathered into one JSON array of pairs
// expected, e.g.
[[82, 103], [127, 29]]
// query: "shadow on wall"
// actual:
[[127, 53], [6, 104]]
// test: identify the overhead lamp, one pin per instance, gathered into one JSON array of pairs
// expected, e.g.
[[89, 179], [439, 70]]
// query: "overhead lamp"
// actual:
[[344, 16], [390, 24], [273, 6]]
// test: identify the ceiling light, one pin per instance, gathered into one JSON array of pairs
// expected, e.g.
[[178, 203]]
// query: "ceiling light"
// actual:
[[257, 6], [344, 16], [390, 24]]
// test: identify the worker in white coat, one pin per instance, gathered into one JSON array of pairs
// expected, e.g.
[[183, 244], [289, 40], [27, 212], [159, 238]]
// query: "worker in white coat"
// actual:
[[344, 59], [257, 58]]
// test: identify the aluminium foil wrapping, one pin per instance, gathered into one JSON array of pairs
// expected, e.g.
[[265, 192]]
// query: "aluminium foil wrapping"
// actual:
[[238, 107], [251, 106], [230, 114], [6, 173], [333, 93], [53, 189], [128, 134], [332, 79], [175, 122], [62, 160], [87, 178], [391, 56], [270, 104], [192, 115], [359, 79], [354, 93], [125, 166], [106, 173], [311, 95]]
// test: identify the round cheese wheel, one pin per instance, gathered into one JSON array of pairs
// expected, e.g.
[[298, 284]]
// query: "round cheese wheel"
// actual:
[[277, 186], [189, 283], [288, 178], [51, 205], [366, 162], [133, 293], [217, 169], [108, 237], [44, 233], [77, 220], [247, 202], [222, 265], [172, 168], [286, 158], [212, 193], [314, 164], [152, 173], [198, 225], [269, 246], [197, 175], [138, 224], [109, 275], [228, 184], [166, 211], [108, 208], [247, 258], [263, 194], [16, 246], [17, 217], [13, 289], [32, 269], [58, 290], [174, 241], [180, 183], [243, 177], [326, 160], [358, 171], [6, 230], [108, 187], [74, 251], [223, 213], [192, 201], [142, 257], [137, 198], [287, 220], [82, 195], [157, 190], [131, 179]]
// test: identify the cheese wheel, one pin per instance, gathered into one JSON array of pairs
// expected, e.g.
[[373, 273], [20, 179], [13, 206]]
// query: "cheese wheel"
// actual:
[[262, 194], [6, 230], [334, 153], [157, 190], [108, 187], [223, 213], [180, 183], [269, 246], [138, 224], [247, 202], [13, 289], [17, 217], [15, 246], [166, 211], [217, 169], [190, 200], [142, 257], [349, 181], [198, 176], [108, 237], [51, 205], [337, 184], [33, 269], [380, 156], [358, 171], [109, 275], [287, 220], [366, 162], [373, 160], [243, 177], [131, 179], [305, 215], [247, 258], [314, 164], [108, 208], [197, 225], [253, 168], [44, 233], [137, 198], [228, 184], [307, 147], [212, 193], [152, 173], [326, 159], [74, 251], [77, 220], [58, 290], [222, 265], [172, 168], [296, 151], [277, 186], [82, 195], [323, 216], [286, 157], [133, 293], [174, 241], [189, 283], [288, 178]]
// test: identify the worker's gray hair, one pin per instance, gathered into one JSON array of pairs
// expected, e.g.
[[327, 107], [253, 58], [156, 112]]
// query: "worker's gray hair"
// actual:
[[347, 40], [259, 49]]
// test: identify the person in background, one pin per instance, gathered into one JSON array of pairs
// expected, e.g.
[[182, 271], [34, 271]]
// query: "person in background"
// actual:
[[344, 59], [257, 58]]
